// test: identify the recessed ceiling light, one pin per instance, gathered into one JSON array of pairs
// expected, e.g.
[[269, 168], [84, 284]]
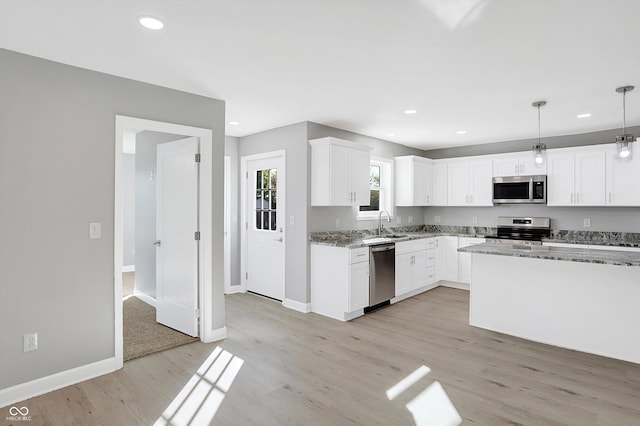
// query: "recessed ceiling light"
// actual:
[[391, 135], [586, 115], [151, 22], [410, 111], [234, 123], [461, 132]]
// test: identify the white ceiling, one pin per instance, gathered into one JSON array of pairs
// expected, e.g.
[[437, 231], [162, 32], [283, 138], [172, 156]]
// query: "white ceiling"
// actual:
[[474, 65]]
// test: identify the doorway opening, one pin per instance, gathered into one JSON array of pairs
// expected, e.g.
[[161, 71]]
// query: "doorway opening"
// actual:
[[166, 246]]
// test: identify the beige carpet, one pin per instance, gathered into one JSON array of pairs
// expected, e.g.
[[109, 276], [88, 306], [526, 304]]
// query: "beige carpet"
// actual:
[[142, 335]]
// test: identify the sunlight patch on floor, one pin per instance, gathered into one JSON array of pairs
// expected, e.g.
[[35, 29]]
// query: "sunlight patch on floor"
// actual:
[[198, 401], [432, 406]]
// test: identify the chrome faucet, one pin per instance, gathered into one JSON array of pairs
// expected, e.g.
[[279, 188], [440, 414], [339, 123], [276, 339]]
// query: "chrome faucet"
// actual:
[[380, 220]]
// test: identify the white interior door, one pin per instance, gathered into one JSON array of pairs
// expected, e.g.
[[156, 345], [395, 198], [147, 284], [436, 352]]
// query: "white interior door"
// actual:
[[176, 225], [264, 225]]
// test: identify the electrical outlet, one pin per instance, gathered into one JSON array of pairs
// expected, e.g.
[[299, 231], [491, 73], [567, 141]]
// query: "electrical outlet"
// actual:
[[475, 219], [586, 222], [337, 223], [292, 220], [410, 220], [30, 342], [437, 219], [398, 220]]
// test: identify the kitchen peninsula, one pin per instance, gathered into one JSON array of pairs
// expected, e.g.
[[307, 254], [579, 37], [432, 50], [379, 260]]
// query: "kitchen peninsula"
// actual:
[[584, 299]]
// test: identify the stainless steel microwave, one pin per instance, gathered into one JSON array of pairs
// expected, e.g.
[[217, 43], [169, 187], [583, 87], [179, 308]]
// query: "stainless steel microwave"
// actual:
[[520, 190]]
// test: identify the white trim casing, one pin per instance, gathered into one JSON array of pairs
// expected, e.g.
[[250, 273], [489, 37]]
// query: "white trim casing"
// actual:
[[236, 289], [206, 331], [305, 308], [56, 381]]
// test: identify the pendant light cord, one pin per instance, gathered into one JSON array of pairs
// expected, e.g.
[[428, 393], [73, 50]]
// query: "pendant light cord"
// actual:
[[624, 112]]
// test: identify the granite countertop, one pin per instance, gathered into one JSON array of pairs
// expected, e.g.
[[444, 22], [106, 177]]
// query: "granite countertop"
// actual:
[[569, 254], [363, 238]]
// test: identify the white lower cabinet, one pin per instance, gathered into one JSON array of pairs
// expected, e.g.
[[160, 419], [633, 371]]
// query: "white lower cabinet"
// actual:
[[464, 259], [446, 258], [411, 261], [339, 281]]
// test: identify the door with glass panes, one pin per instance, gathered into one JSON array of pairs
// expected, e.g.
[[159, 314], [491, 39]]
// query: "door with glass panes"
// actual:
[[264, 226]]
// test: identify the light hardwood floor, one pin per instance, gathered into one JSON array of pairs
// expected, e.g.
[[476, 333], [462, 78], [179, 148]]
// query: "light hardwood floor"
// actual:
[[309, 370]]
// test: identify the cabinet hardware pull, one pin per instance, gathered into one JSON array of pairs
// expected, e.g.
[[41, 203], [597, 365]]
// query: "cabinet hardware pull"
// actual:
[[609, 196], [516, 171]]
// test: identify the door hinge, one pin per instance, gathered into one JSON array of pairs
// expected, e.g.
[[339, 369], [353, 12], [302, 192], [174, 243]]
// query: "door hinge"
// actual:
[[246, 275], [197, 313], [246, 175], [198, 157], [197, 235], [246, 225]]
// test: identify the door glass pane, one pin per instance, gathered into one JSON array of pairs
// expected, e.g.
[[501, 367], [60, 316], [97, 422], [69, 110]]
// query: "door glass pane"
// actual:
[[266, 199]]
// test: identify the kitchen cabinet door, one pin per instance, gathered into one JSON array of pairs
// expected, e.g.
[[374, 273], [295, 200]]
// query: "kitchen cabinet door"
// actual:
[[404, 273], [447, 258], [560, 178], [458, 184], [480, 183], [340, 166], [590, 187], [623, 179], [439, 185], [359, 177], [506, 166], [464, 259], [358, 286], [419, 273]]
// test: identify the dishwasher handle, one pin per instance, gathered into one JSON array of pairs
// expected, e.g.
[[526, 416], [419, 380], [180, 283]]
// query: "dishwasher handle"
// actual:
[[382, 247]]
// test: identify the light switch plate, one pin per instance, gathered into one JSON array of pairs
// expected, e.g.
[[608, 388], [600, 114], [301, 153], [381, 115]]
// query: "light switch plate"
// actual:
[[337, 223], [475, 219], [94, 230], [586, 223]]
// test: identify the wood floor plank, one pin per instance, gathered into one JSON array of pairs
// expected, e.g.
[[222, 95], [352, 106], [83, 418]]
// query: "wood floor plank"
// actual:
[[305, 369]]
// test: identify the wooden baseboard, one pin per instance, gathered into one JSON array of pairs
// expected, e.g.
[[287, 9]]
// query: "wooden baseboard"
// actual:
[[305, 308]]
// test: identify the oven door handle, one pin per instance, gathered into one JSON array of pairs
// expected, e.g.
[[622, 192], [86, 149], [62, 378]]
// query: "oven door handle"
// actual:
[[530, 189]]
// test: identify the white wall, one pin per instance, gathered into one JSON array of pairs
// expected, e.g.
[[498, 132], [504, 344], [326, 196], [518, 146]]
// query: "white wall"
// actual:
[[231, 150], [54, 280], [128, 207]]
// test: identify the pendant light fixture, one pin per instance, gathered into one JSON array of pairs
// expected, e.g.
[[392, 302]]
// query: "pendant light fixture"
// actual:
[[624, 141], [539, 148]]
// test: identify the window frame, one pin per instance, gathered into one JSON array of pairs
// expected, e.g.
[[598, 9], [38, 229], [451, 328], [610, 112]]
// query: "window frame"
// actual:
[[386, 190]]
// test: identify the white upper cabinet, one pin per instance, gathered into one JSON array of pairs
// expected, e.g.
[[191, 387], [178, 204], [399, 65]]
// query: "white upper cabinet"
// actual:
[[623, 179], [469, 183], [339, 172], [412, 181], [576, 177], [520, 164], [439, 184]]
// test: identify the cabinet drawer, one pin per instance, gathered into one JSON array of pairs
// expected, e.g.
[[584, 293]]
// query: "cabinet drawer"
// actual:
[[410, 246], [430, 243], [358, 255], [431, 257], [430, 274]]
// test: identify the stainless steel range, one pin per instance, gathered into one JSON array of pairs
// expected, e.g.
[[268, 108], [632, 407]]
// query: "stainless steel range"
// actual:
[[522, 230]]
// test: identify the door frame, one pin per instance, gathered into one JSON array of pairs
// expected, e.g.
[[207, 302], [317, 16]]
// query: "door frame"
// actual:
[[227, 224], [205, 250], [282, 213]]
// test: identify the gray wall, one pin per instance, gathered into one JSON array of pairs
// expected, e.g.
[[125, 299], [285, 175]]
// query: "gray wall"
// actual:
[[129, 207], [57, 147], [231, 150], [145, 217], [592, 138], [614, 219], [292, 139], [324, 218]]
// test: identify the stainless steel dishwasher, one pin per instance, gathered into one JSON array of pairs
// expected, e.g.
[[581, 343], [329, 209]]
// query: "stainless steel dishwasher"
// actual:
[[382, 272]]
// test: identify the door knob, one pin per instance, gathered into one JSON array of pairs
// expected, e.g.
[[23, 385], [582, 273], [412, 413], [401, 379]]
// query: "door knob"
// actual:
[[157, 243]]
